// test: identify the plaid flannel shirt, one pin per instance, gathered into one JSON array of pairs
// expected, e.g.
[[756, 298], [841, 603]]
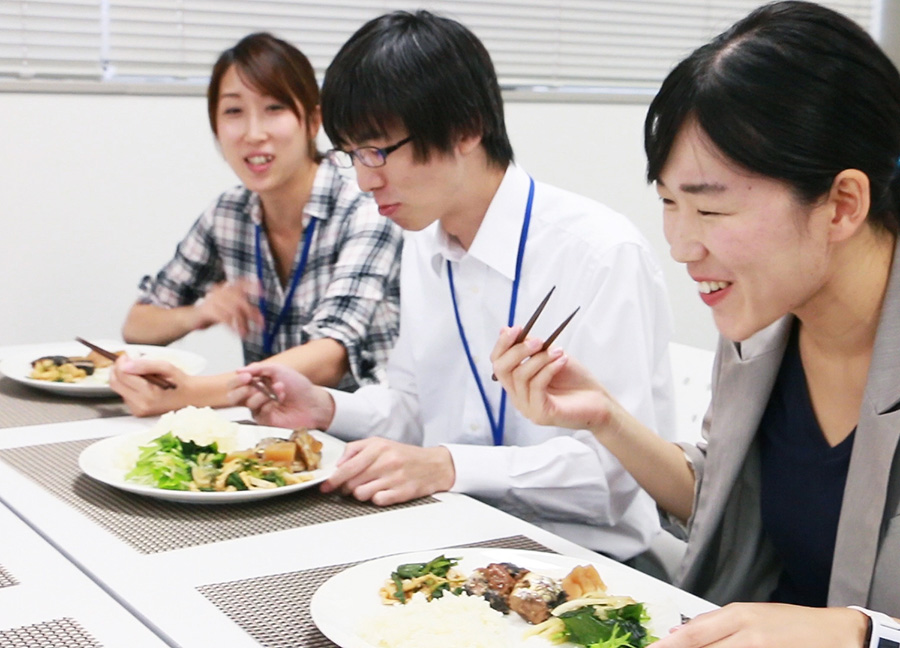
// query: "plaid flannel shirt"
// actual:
[[349, 290]]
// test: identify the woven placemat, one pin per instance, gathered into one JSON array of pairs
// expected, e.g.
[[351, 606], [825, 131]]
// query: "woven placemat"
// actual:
[[59, 633], [274, 610], [153, 526], [21, 405], [7, 579]]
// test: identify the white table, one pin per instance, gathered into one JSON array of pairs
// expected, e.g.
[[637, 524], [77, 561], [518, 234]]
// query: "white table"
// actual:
[[43, 592], [161, 588]]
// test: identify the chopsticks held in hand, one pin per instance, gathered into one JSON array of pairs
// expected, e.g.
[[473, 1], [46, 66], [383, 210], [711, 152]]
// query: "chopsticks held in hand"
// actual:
[[159, 381], [263, 384], [527, 328]]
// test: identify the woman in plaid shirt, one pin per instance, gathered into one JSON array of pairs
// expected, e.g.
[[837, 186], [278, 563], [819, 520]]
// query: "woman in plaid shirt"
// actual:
[[297, 261]]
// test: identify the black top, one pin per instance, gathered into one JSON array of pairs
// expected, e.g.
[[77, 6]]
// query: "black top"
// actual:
[[803, 480]]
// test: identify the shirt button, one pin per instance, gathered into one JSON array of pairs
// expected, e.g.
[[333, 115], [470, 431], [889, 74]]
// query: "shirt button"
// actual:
[[474, 289], [474, 427]]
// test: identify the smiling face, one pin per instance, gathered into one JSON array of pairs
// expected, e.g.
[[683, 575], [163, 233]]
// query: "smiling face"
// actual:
[[755, 251], [261, 138]]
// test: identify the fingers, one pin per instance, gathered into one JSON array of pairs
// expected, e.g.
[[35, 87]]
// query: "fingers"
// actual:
[[233, 304], [144, 366], [354, 462], [535, 381], [706, 630], [506, 355], [505, 340], [374, 470]]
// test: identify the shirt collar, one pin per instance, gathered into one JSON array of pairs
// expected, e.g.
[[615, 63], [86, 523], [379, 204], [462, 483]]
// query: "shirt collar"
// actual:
[[496, 243]]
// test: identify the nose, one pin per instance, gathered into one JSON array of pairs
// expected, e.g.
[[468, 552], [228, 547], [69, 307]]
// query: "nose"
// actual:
[[682, 233], [368, 178], [256, 127]]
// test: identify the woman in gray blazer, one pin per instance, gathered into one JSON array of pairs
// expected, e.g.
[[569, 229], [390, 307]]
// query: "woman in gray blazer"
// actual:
[[775, 150]]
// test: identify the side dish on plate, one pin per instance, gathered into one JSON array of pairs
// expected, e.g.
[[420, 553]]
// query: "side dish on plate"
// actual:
[[574, 610], [71, 369], [199, 451], [196, 456]]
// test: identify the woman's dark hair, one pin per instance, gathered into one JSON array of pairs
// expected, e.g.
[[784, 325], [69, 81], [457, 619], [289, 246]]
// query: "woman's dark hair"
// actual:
[[795, 92], [418, 71], [272, 67]]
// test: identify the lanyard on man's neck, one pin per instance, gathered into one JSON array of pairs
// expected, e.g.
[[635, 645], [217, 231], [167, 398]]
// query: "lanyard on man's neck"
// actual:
[[497, 424]]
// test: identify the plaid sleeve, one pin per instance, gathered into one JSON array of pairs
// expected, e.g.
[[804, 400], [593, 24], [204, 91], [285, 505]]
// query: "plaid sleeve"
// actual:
[[191, 272], [360, 308]]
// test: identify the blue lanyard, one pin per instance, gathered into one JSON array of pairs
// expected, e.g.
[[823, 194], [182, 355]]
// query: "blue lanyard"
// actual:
[[498, 423], [269, 332]]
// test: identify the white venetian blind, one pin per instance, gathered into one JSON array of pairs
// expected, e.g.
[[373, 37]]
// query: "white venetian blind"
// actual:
[[618, 44], [43, 39]]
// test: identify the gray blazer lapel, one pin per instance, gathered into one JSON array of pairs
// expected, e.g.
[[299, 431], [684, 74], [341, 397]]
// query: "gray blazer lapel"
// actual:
[[877, 433], [749, 370]]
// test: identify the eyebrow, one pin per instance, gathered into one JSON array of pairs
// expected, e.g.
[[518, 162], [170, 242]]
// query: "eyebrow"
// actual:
[[699, 188]]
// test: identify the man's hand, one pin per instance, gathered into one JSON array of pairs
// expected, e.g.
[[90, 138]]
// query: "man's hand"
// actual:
[[299, 404], [388, 472]]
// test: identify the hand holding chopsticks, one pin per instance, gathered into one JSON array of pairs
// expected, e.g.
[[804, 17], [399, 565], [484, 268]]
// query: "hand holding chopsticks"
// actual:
[[264, 384], [159, 381], [530, 323]]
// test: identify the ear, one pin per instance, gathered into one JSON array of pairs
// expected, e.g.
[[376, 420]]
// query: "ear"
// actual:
[[849, 201], [468, 143]]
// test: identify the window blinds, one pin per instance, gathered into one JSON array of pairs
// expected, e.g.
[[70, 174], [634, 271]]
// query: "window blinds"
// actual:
[[570, 44]]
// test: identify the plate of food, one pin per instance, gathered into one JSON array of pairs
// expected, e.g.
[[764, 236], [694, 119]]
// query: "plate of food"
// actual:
[[484, 597], [194, 455], [71, 369]]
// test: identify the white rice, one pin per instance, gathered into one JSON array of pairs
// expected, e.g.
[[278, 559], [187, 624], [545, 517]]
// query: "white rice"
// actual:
[[202, 425], [448, 622]]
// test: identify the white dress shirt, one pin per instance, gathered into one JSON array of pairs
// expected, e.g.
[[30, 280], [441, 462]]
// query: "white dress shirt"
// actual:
[[560, 479]]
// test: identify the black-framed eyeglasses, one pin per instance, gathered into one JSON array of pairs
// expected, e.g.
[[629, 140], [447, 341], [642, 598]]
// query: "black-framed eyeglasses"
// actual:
[[370, 156]]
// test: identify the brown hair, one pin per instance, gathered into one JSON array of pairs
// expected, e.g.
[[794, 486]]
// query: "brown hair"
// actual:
[[272, 67]]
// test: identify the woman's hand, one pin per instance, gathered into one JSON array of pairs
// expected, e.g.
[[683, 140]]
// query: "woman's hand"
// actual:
[[230, 303], [770, 625], [548, 387], [142, 397], [299, 404]]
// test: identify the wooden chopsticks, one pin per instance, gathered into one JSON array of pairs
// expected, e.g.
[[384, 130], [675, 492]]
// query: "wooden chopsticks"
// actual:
[[530, 323], [159, 381]]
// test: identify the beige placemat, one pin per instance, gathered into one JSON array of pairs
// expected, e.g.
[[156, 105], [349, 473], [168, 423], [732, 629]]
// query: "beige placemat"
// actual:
[[274, 610], [21, 405], [153, 526], [7, 579], [59, 633]]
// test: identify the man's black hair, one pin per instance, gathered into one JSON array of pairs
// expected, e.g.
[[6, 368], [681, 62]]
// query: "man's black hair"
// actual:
[[420, 73]]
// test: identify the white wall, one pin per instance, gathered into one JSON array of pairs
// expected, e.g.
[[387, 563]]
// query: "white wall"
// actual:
[[98, 189]]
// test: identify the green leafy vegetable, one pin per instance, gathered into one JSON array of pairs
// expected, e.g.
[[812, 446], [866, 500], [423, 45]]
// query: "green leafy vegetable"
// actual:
[[399, 594], [167, 462], [234, 479], [438, 566], [612, 628]]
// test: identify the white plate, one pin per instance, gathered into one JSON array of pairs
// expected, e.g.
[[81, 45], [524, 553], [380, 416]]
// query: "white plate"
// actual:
[[109, 460], [356, 589], [18, 367]]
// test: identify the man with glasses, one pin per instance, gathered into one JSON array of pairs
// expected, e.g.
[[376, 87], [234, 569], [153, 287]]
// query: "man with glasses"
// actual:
[[412, 103]]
